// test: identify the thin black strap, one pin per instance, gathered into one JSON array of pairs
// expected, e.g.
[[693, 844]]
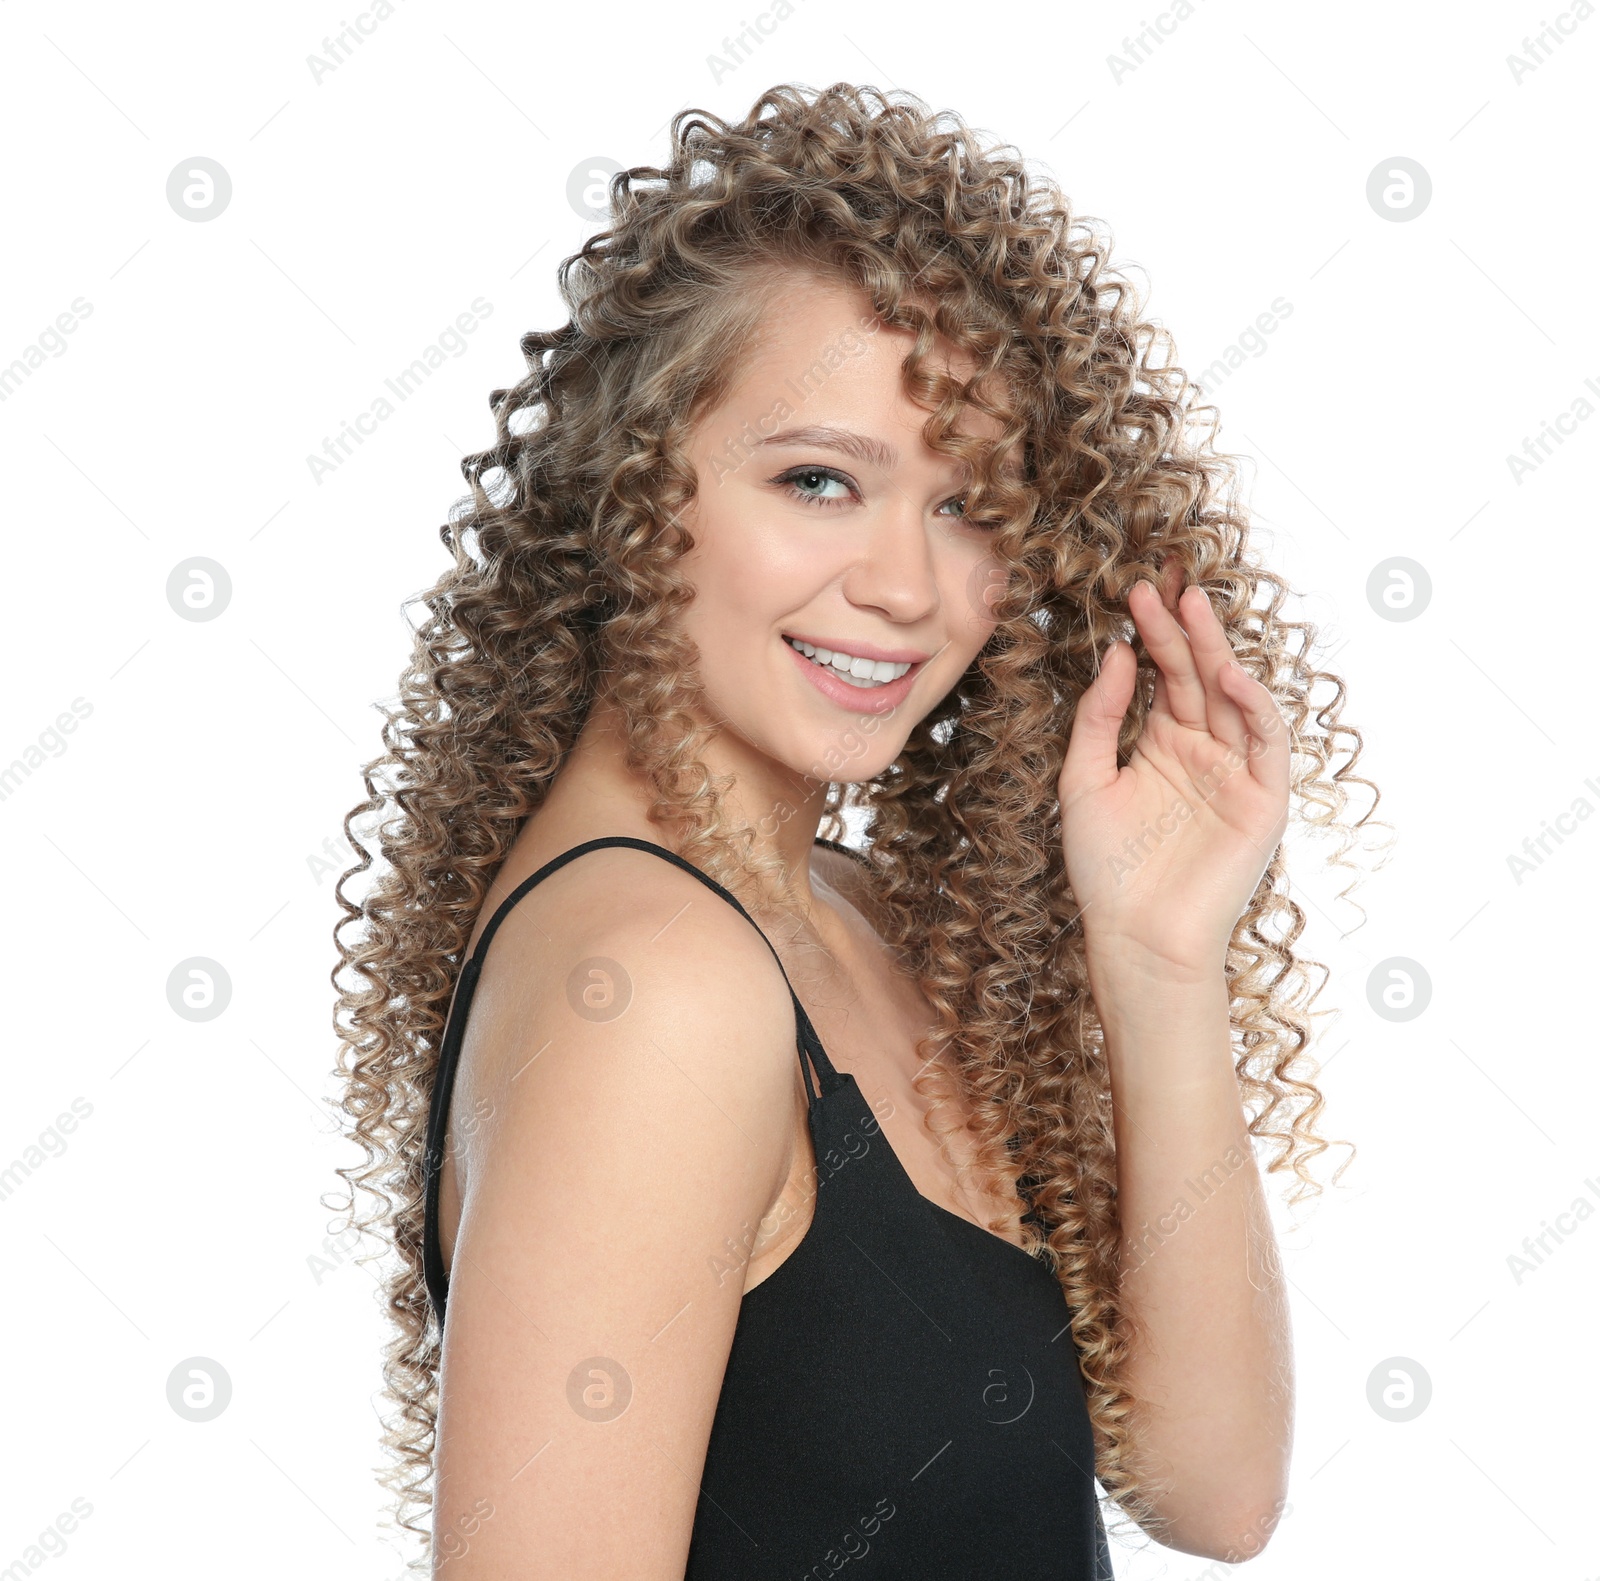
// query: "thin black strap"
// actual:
[[813, 1057], [807, 1040], [835, 845]]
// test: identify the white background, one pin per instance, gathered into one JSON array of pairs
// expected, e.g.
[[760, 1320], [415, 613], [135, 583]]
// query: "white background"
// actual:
[[186, 814]]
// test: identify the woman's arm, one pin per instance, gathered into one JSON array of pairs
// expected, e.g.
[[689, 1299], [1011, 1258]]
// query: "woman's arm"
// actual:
[[1201, 1279], [1163, 854], [588, 1326]]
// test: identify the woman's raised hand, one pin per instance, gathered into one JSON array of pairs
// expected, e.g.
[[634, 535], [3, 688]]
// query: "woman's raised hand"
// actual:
[[1164, 853]]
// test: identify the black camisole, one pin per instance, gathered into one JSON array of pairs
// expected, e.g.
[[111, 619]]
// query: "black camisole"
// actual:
[[902, 1394]]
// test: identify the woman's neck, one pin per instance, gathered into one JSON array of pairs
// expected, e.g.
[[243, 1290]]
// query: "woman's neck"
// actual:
[[596, 793]]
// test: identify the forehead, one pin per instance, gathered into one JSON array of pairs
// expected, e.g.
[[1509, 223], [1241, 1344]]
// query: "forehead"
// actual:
[[820, 356]]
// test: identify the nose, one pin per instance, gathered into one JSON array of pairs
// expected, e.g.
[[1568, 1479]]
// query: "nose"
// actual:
[[894, 572]]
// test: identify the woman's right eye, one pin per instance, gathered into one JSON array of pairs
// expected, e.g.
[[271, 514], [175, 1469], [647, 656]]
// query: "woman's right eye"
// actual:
[[800, 481]]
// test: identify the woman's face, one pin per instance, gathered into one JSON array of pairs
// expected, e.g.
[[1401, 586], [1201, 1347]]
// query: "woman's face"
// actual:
[[822, 519]]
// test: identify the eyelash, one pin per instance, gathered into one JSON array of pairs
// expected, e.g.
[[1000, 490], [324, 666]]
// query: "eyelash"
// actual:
[[787, 479]]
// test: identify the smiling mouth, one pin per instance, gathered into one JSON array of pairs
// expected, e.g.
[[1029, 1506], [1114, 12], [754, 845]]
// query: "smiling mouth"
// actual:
[[867, 674]]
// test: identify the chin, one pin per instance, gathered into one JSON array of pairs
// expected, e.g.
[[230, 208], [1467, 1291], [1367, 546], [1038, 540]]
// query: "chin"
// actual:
[[855, 750], [858, 750]]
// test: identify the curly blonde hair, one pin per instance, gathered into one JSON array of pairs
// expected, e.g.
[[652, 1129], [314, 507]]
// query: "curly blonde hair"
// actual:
[[566, 574]]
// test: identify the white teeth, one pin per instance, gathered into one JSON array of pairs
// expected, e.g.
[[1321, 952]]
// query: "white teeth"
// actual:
[[848, 667]]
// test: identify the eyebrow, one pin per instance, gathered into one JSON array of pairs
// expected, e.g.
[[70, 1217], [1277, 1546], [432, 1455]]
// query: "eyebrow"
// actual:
[[875, 452]]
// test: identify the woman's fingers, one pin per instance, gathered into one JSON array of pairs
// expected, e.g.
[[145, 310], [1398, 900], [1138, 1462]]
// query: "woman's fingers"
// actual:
[[1091, 758], [1189, 647], [1212, 654], [1268, 744], [1178, 682], [1197, 684]]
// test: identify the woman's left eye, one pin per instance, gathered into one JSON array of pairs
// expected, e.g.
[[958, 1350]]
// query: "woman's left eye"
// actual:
[[799, 481]]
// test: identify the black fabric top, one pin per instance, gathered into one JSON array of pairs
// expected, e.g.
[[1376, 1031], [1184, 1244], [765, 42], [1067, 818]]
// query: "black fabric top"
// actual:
[[902, 1394]]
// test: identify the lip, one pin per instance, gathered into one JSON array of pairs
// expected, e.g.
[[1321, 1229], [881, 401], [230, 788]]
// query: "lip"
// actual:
[[862, 650], [861, 700]]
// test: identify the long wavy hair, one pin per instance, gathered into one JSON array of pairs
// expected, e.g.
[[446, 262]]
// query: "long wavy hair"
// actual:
[[565, 575]]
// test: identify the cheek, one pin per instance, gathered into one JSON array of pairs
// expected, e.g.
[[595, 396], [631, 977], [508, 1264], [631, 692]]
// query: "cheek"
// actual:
[[974, 589], [748, 576]]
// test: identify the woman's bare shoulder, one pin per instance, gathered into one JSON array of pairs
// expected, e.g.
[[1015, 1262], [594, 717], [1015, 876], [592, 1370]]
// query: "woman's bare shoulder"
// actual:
[[635, 1071]]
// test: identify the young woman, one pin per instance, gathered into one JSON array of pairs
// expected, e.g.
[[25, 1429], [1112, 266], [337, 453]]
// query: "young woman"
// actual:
[[765, 1204]]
